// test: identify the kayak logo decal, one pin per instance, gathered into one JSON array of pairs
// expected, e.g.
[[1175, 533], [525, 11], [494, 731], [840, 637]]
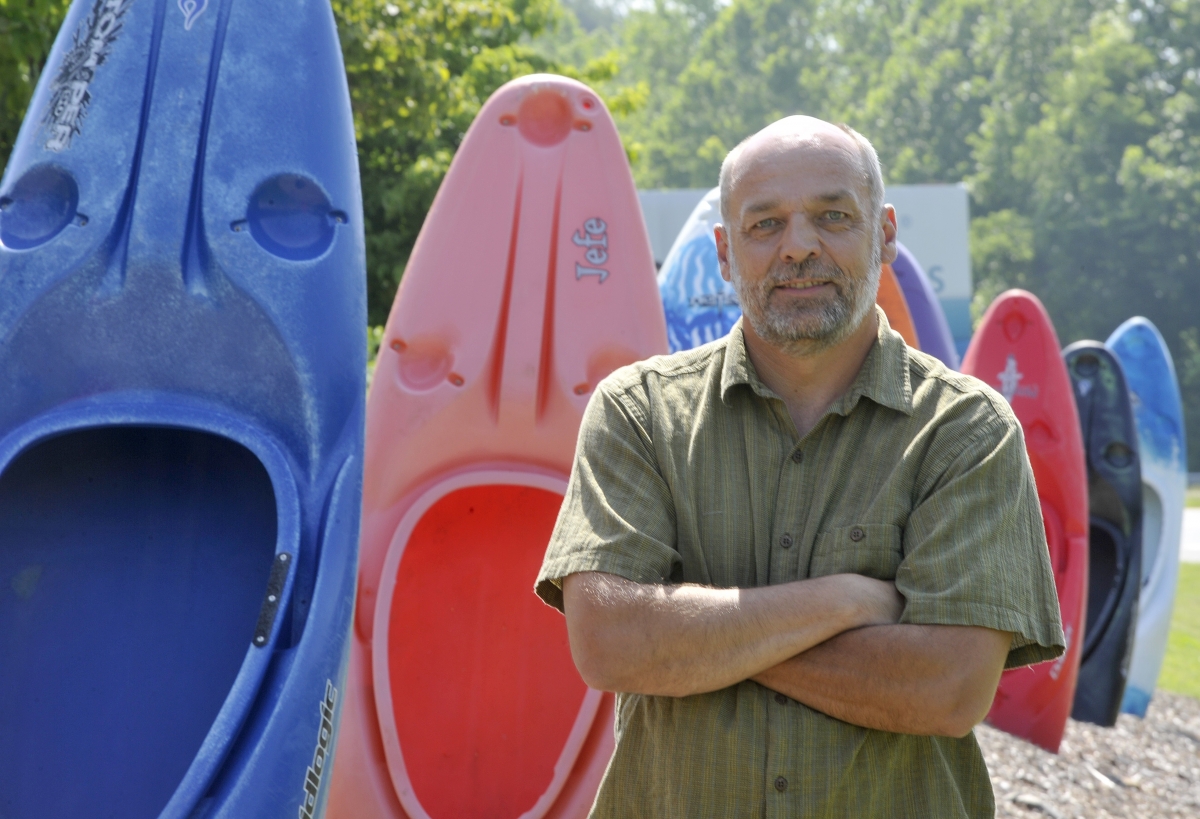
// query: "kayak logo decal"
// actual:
[[594, 237], [69, 94], [1010, 382], [1056, 669], [191, 10], [714, 300], [312, 777]]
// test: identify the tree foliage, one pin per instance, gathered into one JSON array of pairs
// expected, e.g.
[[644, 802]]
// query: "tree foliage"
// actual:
[[419, 71], [27, 29], [1075, 124]]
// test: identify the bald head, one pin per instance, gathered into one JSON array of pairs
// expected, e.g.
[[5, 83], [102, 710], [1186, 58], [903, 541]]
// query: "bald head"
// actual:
[[799, 132]]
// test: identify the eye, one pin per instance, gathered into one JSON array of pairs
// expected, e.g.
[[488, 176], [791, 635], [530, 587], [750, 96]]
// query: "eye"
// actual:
[[767, 223], [836, 216]]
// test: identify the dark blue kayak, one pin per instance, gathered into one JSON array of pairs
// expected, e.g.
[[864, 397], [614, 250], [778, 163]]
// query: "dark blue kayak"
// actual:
[[182, 364], [933, 330], [1115, 529]]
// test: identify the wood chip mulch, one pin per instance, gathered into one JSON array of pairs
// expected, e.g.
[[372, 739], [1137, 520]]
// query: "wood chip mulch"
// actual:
[[1140, 769]]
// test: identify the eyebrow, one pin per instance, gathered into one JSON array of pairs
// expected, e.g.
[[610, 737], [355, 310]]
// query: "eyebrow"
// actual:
[[837, 196]]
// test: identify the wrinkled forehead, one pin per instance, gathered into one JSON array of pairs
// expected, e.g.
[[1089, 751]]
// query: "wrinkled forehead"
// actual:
[[798, 170]]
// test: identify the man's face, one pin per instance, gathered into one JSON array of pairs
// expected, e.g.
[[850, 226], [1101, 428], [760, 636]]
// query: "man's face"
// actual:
[[802, 247]]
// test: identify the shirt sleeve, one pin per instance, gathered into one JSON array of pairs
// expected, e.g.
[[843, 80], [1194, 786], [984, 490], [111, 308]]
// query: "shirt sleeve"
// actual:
[[618, 515], [975, 548]]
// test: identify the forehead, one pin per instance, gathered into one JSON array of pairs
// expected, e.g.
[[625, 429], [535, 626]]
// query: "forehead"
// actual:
[[799, 173]]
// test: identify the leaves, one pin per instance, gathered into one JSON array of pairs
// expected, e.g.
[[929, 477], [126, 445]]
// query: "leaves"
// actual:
[[419, 71], [1074, 123], [27, 29]]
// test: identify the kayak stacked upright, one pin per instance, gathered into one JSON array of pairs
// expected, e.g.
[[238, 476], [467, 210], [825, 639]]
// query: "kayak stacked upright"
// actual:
[[181, 307], [532, 279], [1162, 452], [1016, 351]]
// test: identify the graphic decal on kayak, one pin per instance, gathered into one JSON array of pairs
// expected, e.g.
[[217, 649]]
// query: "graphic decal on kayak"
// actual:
[[312, 778], [594, 237], [714, 300], [1056, 669], [191, 9], [1010, 382], [69, 94]]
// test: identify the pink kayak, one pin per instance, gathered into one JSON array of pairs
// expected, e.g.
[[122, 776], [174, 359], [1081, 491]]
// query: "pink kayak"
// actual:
[[532, 279]]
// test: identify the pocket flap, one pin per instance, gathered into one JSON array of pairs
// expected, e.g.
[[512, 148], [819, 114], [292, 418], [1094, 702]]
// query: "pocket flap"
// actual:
[[870, 549]]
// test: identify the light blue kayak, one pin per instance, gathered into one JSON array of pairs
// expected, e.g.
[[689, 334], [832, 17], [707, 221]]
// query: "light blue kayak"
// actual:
[[699, 304], [1158, 413]]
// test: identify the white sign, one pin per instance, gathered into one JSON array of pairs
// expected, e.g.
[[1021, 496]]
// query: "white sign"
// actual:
[[934, 223]]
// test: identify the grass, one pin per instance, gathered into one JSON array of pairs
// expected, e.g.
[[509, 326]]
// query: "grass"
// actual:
[[1193, 497], [1181, 668]]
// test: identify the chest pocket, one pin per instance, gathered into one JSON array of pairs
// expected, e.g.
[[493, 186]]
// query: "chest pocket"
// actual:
[[873, 550]]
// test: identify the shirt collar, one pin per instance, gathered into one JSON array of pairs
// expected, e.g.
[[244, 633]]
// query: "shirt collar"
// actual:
[[884, 376]]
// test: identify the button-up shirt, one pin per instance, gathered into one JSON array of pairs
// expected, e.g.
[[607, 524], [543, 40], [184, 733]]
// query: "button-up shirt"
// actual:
[[689, 470]]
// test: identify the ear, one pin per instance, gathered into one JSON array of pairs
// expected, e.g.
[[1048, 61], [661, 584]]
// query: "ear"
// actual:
[[722, 237], [887, 228]]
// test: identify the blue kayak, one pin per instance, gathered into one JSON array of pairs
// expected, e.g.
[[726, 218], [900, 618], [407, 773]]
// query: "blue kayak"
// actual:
[[1162, 449], [700, 305], [182, 304], [1110, 444], [933, 330]]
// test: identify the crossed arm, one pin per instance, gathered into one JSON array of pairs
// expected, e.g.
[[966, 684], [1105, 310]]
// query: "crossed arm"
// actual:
[[832, 643]]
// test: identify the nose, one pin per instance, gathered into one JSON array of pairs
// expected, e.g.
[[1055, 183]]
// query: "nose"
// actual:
[[799, 241]]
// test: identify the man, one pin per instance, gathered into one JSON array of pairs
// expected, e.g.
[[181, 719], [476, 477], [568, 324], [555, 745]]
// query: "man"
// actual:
[[803, 553]]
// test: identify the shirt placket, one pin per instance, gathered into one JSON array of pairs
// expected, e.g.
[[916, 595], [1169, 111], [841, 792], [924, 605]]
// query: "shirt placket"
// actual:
[[787, 527]]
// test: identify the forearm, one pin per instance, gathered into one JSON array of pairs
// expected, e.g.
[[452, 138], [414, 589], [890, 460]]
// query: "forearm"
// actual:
[[909, 679], [685, 639]]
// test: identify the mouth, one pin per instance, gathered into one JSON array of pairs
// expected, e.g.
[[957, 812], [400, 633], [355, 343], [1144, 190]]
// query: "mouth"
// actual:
[[804, 286]]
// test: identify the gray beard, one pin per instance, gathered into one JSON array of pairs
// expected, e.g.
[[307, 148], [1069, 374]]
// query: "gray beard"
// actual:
[[809, 329]]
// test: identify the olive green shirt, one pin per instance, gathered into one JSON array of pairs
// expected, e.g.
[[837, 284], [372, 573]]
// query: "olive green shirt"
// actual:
[[689, 470]]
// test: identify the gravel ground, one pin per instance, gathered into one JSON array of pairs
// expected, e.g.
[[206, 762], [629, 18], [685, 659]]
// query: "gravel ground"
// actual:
[[1140, 769]]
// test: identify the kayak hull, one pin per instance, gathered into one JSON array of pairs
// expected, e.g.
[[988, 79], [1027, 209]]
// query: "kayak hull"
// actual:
[[459, 674], [1016, 351], [933, 330], [1115, 506], [181, 265], [1162, 450]]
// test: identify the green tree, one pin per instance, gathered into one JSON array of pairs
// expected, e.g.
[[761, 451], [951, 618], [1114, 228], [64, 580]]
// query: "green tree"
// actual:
[[419, 71], [27, 29]]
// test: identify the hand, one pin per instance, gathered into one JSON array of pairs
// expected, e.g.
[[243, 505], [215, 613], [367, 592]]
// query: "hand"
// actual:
[[879, 602]]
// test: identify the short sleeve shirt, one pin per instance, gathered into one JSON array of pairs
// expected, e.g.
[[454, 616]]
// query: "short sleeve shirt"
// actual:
[[689, 470]]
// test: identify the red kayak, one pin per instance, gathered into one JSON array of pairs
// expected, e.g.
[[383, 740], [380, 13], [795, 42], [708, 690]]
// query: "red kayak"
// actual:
[[1016, 351], [532, 279]]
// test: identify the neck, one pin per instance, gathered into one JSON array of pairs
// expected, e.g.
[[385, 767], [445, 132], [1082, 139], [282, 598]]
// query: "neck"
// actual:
[[809, 383]]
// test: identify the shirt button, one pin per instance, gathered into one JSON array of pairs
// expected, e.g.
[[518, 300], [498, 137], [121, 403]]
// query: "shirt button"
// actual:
[[857, 534], [781, 699], [797, 456], [780, 784], [786, 541]]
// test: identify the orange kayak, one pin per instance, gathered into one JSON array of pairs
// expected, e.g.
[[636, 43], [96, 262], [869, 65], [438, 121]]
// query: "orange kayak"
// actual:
[[532, 279], [895, 307]]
